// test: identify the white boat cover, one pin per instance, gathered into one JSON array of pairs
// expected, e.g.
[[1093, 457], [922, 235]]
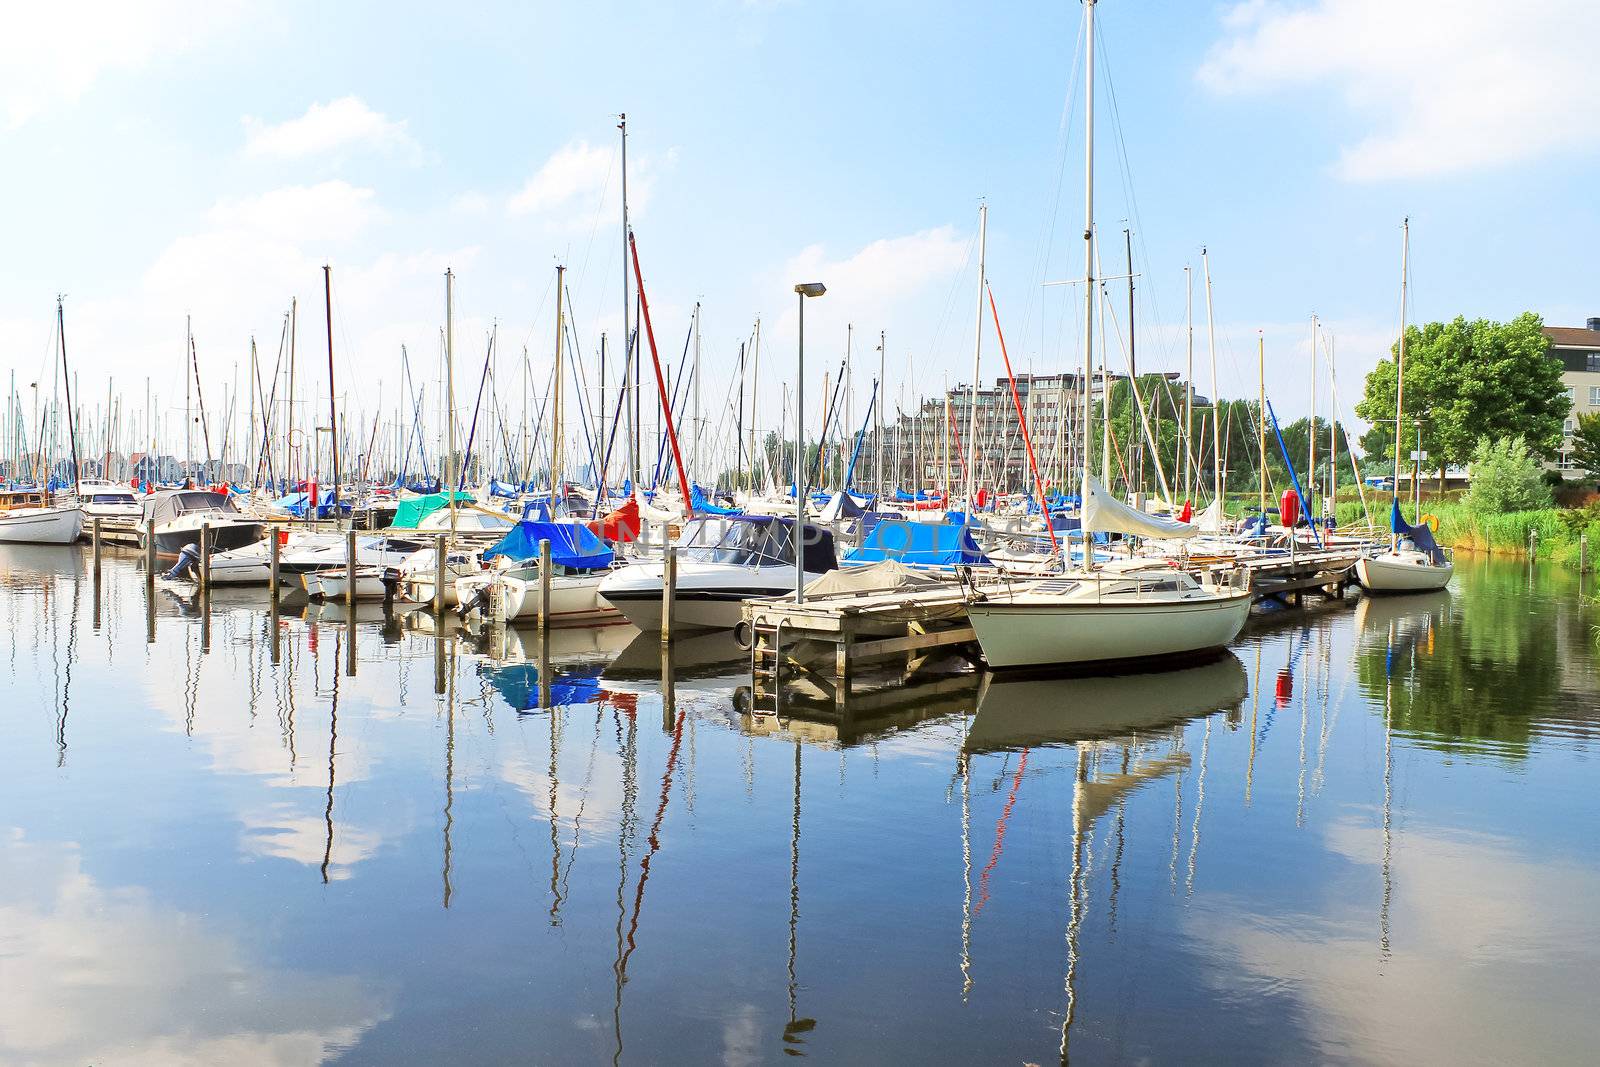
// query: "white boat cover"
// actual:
[[1210, 520], [884, 576], [655, 514], [842, 506], [1104, 513]]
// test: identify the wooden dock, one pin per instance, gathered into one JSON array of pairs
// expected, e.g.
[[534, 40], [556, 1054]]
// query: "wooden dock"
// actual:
[[827, 640]]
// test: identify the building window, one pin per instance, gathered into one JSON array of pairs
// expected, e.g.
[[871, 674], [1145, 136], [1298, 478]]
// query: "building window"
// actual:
[[1572, 395], [1566, 427], [1594, 396], [1591, 361]]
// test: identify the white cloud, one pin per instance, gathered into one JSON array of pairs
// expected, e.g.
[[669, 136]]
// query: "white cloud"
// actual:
[[52, 54], [580, 179], [343, 123], [575, 172], [1448, 85], [97, 974]]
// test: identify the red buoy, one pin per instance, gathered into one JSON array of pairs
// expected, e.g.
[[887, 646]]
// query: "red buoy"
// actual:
[[1289, 508]]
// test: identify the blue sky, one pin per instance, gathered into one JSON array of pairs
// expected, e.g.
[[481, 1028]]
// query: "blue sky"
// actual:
[[172, 158]]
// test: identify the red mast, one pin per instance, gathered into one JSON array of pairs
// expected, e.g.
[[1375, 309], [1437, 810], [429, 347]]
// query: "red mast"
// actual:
[[661, 388]]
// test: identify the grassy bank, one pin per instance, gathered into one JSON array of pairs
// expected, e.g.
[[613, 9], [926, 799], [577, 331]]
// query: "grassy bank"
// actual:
[[1559, 530]]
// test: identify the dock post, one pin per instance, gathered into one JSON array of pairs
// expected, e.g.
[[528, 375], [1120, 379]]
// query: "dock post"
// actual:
[[95, 539], [274, 552], [841, 663], [544, 587], [350, 572], [150, 552], [1583, 552], [669, 591], [205, 557], [438, 575]]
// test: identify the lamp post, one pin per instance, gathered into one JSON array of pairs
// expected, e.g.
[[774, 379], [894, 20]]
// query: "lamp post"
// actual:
[[802, 291]]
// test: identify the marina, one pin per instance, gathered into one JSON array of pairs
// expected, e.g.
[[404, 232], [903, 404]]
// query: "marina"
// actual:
[[366, 837]]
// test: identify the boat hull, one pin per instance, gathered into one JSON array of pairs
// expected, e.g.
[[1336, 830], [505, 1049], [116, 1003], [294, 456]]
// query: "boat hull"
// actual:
[[41, 526], [1078, 634], [225, 537], [1391, 573], [708, 596]]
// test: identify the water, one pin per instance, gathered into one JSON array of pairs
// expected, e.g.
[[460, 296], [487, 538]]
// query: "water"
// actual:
[[1369, 834]]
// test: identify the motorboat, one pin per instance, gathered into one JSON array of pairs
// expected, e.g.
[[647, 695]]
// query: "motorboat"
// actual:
[[723, 561], [1131, 611], [116, 506], [180, 514], [31, 517], [509, 588]]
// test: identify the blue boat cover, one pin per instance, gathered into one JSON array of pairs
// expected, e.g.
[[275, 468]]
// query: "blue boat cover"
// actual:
[[701, 505], [918, 543], [1420, 535], [571, 545]]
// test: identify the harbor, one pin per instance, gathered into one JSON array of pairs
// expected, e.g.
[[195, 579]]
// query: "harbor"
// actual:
[[370, 838], [741, 532]]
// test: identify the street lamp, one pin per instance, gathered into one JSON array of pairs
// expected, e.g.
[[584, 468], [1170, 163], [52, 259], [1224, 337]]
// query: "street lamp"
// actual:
[[803, 290]]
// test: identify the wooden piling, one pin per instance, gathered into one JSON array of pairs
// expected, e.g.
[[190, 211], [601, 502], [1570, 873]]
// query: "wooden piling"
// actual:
[[350, 572], [669, 591], [274, 553], [150, 552], [1583, 553], [96, 542], [438, 575], [544, 586], [205, 556]]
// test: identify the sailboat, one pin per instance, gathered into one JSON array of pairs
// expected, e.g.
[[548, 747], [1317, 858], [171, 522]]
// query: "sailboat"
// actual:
[[32, 516], [1128, 611], [1414, 562]]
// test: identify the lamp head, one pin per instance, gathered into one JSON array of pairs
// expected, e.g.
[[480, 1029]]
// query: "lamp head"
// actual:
[[811, 288]]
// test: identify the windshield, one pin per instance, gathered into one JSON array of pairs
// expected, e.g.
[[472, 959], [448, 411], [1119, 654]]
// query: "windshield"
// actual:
[[748, 544]]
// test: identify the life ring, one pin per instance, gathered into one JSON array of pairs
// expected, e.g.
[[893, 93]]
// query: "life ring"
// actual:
[[1431, 522]]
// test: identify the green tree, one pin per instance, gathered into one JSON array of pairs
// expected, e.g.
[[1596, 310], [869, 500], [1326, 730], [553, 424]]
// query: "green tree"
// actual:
[[1466, 381], [1506, 477], [1586, 444]]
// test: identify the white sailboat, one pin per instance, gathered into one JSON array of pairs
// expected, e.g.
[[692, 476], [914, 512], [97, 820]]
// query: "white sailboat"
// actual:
[[1137, 610], [27, 518], [1414, 563]]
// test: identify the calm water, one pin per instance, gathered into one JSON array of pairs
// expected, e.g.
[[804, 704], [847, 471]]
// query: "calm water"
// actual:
[[1369, 834]]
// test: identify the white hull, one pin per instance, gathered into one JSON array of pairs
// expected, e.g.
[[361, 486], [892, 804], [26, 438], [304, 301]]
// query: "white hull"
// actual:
[[332, 584], [41, 526], [1066, 633], [709, 596], [1402, 572], [574, 598]]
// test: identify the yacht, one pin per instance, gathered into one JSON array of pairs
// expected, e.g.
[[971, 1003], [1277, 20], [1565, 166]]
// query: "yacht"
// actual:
[[30, 517], [179, 514], [723, 561]]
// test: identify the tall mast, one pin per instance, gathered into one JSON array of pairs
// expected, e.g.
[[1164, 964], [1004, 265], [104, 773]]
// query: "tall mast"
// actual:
[[333, 410], [1188, 382], [1216, 401], [555, 426], [977, 369], [1311, 459], [630, 382], [755, 398], [450, 462], [188, 388], [1133, 367], [1261, 421], [1400, 366], [72, 418], [694, 454], [1088, 244], [877, 437]]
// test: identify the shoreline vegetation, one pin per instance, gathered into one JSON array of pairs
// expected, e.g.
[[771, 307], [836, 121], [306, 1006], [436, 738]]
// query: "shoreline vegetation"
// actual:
[[1560, 530]]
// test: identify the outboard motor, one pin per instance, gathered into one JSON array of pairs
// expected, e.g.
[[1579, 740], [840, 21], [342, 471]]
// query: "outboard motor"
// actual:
[[188, 564], [479, 602]]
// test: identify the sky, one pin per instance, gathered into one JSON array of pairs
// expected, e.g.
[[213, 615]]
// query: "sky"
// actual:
[[171, 159]]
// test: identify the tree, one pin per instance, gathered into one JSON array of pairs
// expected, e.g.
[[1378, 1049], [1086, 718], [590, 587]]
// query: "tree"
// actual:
[[1506, 477], [1466, 381], [1586, 444]]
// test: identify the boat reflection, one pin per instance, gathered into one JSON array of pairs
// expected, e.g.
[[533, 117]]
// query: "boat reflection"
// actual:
[[1023, 713]]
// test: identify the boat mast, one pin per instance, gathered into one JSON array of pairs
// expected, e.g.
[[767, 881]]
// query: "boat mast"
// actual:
[[1261, 422], [450, 462], [1188, 382], [1216, 401], [977, 360], [557, 413], [1088, 246], [333, 412], [72, 419], [1400, 369], [877, 436], [1311, 458], [630, 381]]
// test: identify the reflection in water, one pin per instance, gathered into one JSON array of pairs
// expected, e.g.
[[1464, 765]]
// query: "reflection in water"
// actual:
[[1228, 891]]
